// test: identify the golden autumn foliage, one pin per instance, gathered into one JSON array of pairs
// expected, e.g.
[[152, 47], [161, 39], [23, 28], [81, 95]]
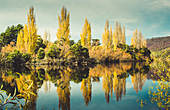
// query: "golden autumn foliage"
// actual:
[[63, 32], [63, 90], [111, 39], [27, 38], [86, 34], [47, 37], [101, 70], [8, 48], [138, 40], [138, 80], [101, 54], [86, 90], [106, 36]]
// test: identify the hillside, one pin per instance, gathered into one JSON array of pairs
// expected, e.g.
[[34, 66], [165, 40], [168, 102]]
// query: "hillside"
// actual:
[[159, 43]]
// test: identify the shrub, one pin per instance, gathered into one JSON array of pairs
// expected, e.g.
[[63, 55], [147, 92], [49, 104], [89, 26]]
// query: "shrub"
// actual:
[[79, 52], [41, 53], [16, 57], [53, 52]]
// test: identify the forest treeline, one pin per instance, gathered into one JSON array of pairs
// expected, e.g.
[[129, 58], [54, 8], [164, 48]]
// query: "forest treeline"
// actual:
[[21, 44]]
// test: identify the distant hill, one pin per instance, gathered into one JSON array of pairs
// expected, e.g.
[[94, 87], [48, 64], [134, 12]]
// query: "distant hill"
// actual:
[[159, 43]]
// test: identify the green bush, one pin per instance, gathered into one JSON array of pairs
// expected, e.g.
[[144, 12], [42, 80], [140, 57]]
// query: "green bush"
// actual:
[[53, 52], [26, 56], [16, 57], [39, 44], [41, 53], [79, 52]]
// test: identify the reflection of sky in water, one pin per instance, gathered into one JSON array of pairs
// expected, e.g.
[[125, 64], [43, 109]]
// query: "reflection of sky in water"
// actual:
[[49, 99]]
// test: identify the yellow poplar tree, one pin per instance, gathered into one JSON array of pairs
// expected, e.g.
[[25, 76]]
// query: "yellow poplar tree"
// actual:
[[89, 35], [45, 36], [105, 38], [123, 36], [115, 41], [29, 37], [143, 43], [64, 26], [110, 38], [32, 31], [138, 40], [119, 34], [86, 34], [20, 40]]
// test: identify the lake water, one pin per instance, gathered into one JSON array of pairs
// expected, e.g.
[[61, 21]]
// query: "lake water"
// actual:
[[103, 87]]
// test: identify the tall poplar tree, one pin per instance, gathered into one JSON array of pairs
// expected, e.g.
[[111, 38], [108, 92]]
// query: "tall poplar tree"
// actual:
[[123, 36], [63, 32], [27, 37], [86, 34], [105, 37], [138, 40]]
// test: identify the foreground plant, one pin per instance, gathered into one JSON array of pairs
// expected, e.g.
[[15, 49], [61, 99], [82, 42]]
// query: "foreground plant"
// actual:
[[26, 91], [160, 94]]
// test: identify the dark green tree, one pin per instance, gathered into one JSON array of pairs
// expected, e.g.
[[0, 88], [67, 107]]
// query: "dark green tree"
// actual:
[[71, 42], [79, 52], [10, 34], [39, 45], [53, 52], [16, 58]]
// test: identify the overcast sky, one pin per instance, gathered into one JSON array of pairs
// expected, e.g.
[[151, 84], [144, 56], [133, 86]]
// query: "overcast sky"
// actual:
[[152, 17]]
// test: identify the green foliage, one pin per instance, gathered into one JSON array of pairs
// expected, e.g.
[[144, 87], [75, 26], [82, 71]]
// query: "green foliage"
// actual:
[[10, 34], [41, 53], [53, 52], [53, 75], [79, 42], [163, 54], [79, 52], [41, 74], [72, 42], [137, 54], [59, 42], [79, 74], [160, 93], [16, 58], [39, 45], [26, 56]]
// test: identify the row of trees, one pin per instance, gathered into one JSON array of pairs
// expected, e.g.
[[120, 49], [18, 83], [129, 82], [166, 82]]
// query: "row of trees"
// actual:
[[28, 41], [138, 40], [113, 38]]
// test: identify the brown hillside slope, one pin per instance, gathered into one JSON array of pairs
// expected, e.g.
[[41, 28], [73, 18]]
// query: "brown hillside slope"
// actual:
[[159, 43]]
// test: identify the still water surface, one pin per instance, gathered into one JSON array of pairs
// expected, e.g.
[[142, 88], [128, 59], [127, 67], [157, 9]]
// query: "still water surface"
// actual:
[[103, 87]]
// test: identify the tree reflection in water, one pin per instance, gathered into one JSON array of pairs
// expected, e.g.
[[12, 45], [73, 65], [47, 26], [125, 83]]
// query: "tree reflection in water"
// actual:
[[113, 80]]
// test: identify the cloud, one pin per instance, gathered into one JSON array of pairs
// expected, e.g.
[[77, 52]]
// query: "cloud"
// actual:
[[159, 5], [126, 20], [150, 16]]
